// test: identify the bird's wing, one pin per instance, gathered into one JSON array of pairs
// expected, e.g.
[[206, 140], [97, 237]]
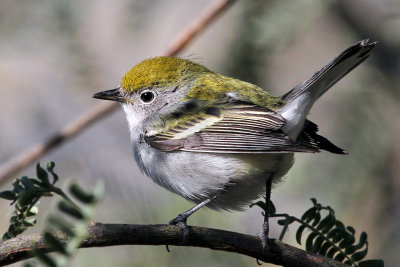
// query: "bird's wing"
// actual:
[[235, 128]]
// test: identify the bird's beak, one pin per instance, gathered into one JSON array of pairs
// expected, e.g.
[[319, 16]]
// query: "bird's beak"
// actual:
[[113, 95]]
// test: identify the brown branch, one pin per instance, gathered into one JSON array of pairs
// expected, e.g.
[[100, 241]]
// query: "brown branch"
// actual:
[[22, 160], [197, 26], [101, 235], [25, 158]]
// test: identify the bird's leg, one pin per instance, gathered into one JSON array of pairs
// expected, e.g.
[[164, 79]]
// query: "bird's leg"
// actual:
[[265, 226], [181, 219]]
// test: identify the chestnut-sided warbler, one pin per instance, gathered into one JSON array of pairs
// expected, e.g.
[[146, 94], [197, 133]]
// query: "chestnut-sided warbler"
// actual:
[[216, 140]]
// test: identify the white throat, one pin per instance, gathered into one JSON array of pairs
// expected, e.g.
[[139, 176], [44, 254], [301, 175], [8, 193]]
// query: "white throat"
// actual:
[[133, 117]]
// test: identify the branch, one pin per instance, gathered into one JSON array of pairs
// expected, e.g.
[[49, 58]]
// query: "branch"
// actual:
[[101, 235], [32, 154], [197, 26]]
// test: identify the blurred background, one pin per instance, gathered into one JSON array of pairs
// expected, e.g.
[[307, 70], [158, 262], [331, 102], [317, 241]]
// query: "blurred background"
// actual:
[[56, 54]]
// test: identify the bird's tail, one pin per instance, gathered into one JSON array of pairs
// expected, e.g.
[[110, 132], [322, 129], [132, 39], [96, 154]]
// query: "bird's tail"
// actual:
[[300, 99]]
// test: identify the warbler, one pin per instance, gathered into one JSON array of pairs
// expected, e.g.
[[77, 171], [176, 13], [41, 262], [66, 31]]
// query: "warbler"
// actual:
[[215, 140]]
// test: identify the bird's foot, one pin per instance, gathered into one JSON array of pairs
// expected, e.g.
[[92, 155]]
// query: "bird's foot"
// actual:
[[180, 221]]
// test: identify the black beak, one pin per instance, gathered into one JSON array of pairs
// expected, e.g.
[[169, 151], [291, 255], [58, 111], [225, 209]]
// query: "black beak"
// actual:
[[113, 95]]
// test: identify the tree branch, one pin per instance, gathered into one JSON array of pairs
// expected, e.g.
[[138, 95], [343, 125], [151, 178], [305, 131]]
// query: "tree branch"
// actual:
[[197, 26], [30, 155], [101, 235]]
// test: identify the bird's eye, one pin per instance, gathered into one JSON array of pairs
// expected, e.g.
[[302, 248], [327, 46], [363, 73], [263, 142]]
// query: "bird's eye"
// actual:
[[147, 97]]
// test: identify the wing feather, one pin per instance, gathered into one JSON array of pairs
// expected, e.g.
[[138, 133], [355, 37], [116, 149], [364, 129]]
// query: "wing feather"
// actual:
[[240, 128]]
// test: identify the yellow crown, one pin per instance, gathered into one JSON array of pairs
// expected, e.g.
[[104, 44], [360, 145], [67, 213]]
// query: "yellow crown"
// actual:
[[199, 82], [160, 71]]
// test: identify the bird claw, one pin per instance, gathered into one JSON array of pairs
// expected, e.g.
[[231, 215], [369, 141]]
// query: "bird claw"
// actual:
[[180, 221], [185, 230]]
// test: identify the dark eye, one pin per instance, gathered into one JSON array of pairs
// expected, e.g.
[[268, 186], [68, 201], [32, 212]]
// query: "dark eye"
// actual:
[[147, 97]]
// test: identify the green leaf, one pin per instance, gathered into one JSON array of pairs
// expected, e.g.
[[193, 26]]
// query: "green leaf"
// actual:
[[260, 204], [324, 248], [5, 237], [314, 201], [72, 234], [14, 219], [347, 241], [70, 209], [332, 233], [371, 263], [350, 250], [349, 262], [30, 264], [32, 212], [309, 214], [309, 241], [271, 208], [36, 182], [351, 230], [327, 223], [50, 168], [317, 244], [18, 207], [29, 222], [299, 233], [20, 229], [339, 257], [330, 225], [331, 252], [9, 195], [59, 224], [98, 191], [44, 258], [360, 244], [54, 243], [339, 224], [363, 239], [360, 254], [27, 183], [282, 221], [340, 234], [324, 221], [42, 175], [17, 188], [11, 233], [80, 194], [317, 219], [24, 201]]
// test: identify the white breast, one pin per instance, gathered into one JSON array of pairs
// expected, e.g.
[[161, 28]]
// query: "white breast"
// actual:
[[237, 178]]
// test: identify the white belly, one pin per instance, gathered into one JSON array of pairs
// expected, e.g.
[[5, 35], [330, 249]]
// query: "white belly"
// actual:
[[238, 179]]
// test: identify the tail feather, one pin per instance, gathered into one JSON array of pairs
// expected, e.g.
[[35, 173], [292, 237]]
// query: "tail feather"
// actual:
[[309, 135], [335, 70], [300, 99]]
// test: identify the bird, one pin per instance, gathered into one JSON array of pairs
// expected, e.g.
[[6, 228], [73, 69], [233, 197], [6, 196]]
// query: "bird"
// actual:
[[218, 141]]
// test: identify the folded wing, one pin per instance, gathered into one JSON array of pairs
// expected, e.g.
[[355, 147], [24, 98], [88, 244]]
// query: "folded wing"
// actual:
[[238, 127]]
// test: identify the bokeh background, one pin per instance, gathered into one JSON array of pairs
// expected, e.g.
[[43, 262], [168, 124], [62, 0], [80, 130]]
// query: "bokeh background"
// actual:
[[55, 54]]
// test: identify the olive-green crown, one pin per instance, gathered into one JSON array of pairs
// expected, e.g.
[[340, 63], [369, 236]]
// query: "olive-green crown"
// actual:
[[205, 84], [160, 71]]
